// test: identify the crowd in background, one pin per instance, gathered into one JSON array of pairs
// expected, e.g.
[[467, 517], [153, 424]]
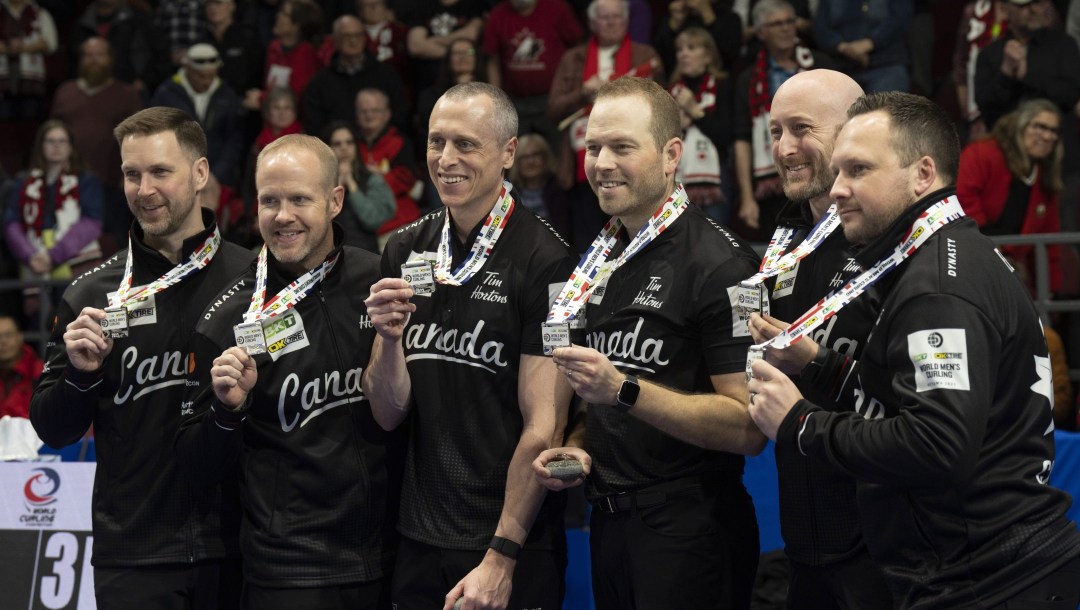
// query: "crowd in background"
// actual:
[[363, 75]]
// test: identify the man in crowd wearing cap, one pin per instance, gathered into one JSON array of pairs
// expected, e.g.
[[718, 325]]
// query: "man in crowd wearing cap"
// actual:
[[158, 542], [197, 90]]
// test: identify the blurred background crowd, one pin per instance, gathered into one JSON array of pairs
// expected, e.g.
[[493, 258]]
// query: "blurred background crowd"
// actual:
[[365, 74]]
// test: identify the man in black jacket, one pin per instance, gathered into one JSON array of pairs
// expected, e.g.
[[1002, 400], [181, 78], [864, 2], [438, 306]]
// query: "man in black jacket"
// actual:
[[830, 567], [314, 484], [157, 543], [330, 94], [951, 435]]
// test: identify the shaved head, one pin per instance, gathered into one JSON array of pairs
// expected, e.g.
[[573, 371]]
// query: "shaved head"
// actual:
[[823, 94], [806, 114]]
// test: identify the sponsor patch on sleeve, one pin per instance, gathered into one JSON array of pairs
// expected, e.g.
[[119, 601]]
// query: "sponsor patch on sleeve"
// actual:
[[940, 359]]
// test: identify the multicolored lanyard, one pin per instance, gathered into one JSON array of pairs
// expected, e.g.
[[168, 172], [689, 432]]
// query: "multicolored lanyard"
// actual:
[[775, 262], [594, 267], [929, 222], [482, 247], [290, 296], [198, 259]]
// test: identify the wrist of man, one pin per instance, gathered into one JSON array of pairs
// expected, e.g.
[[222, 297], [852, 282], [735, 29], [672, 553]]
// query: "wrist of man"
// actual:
[[503, 548]]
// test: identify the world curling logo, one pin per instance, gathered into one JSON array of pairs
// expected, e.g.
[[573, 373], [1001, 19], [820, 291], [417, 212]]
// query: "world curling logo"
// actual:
[[40, 492]]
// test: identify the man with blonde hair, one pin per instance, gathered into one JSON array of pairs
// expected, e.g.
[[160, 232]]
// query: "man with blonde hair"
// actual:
[[288, 347]]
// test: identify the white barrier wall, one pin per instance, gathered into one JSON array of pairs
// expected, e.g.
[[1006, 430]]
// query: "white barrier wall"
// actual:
[[45, 537]]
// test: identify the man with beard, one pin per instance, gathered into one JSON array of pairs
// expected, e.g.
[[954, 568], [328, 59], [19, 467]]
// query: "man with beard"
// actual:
[[158, 542], [287, 395], [91, 106], [822, 539], [951, 437], [666, 423]]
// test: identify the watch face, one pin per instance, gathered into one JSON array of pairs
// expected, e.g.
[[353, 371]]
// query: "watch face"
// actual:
[[628, 393]]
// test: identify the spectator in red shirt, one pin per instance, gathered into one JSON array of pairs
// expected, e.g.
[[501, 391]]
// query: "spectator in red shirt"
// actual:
[[292, 58], [19, 370], [524, 40]]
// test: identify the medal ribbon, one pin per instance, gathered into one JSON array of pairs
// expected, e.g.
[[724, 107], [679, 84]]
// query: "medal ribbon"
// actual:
[[290, 296], [593, 268], [774, 264], [200, 258], [930, 221], [481, 248]]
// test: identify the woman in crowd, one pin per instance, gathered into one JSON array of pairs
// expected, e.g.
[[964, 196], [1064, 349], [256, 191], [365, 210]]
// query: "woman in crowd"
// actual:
[[53, 214], [533, 176], [703, 92], [292, 58], [369, 202], [1009, 182], [463, 64]]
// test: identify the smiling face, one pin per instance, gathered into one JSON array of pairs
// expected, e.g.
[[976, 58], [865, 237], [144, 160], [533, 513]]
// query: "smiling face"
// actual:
[[465, 159], [1041, 135], [631, 176], [872, 189], [296, 207], [160, 183], [802, 133]]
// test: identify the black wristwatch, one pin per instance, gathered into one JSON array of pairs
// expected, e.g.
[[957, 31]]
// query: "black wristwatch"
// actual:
[[504, 546], [628, 393]]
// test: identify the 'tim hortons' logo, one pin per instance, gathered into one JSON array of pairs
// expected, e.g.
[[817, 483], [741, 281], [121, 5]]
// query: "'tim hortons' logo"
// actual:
[[40, 492]]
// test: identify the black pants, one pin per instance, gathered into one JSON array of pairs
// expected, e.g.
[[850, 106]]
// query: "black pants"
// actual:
[[425, 574], [698, 548], [359, 596], [853, 584], [210, 585], [1060, 590]]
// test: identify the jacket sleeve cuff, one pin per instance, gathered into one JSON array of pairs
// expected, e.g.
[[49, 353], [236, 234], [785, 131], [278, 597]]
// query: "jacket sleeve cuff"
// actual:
[[226, 418], [792, 429], [82, 381]]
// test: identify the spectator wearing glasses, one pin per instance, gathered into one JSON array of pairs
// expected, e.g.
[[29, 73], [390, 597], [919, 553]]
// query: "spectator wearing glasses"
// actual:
[[330, 95], [781, 56], [1030, 60], [1035, 60], [1010, 182], [198, 91]]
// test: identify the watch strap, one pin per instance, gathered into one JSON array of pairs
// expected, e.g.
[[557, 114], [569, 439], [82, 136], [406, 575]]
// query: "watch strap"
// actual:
[[504, 546]]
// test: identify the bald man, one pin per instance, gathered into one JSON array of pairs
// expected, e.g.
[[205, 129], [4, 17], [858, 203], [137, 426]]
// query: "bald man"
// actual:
[[830, 567]]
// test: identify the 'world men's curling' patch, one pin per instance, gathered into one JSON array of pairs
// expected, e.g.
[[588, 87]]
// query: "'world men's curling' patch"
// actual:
[[940, 359]]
